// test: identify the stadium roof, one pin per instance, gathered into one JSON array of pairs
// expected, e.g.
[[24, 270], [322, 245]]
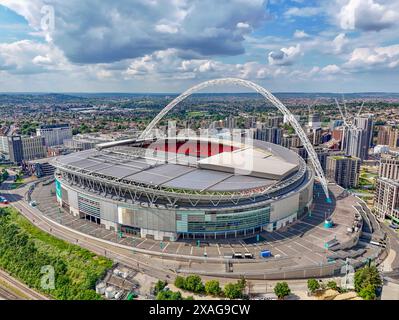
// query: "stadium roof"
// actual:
[[172, 170]]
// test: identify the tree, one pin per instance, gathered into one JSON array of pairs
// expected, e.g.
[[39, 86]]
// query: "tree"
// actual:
[[180, 282], [194, 283], [159, 286], [232, 291], [169, 295], [367, 276], [282, 290], [313, 285], [368, 292], [212, 287]]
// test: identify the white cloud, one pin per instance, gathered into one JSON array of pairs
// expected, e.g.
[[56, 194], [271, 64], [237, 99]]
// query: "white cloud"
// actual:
[[300, 34], [284, 56], [166, 28], [330, 69], [378, 57], [27, 56], [303, 12], [339, 43], [368, 15]]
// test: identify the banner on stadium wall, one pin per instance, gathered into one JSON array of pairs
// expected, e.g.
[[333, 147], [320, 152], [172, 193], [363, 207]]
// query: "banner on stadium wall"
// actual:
[[58, 189]]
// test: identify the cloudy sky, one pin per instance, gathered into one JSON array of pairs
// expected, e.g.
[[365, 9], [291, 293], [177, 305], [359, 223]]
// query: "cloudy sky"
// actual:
[[169, 45]]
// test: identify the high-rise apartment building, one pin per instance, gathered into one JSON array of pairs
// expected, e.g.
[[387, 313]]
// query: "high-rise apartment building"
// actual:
[[389, 167], [344, 170], [264, 133], [355, 143], [4, 145], [386, 196], [366, 124], [383, 135], [394, 139], [274, 122]]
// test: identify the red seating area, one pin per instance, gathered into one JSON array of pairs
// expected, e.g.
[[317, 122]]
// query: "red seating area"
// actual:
[[198, 149]]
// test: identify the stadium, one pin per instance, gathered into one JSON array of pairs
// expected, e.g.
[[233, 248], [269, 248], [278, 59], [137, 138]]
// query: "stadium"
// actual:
[[186, 188]]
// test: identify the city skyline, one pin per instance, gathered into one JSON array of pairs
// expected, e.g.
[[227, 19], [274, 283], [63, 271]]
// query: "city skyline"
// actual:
[[285, 46]]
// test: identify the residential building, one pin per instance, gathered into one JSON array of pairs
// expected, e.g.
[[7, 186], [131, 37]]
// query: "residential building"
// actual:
[[343, 170]]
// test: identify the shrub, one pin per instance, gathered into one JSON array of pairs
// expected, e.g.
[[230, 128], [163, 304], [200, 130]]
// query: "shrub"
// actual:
[[232, 291], [332, 285], [212, 287], [194, 283], [180, 282], [368, 292], [313, 285], [282, 290]]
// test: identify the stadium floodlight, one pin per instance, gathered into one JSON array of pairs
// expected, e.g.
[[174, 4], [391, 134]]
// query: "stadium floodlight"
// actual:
[[269, 97]]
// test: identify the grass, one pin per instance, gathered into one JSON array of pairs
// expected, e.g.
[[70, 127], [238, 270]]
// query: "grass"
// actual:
[[83, 267]]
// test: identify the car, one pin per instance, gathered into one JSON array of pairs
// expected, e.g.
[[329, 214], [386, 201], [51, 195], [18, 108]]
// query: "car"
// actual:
[[394, 226], [3, 200]]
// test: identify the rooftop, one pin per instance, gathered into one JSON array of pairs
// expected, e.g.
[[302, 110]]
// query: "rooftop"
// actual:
[[242, 169]]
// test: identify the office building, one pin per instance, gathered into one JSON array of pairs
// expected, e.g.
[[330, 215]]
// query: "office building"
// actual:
[[33, 148], [54, 134], [15, 149]]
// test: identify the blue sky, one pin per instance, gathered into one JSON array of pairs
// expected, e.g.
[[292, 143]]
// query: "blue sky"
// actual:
[[169, 45]]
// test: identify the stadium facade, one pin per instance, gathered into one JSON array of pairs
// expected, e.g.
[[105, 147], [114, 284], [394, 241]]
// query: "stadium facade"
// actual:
[[192, 187]]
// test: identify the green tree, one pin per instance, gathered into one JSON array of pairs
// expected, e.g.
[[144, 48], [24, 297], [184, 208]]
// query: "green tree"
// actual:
[[282, 290], [368, 292], [367, 276], [232, 291], [194, 283], [313, 285], [169, 295], [212, 287], [159, 286], [180, 282]]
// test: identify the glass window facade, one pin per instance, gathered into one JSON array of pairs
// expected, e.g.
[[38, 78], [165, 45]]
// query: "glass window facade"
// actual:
[[88, 206], [208, 222]]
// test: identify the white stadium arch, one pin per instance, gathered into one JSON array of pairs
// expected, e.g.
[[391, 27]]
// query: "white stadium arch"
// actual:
[[265, 93]]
